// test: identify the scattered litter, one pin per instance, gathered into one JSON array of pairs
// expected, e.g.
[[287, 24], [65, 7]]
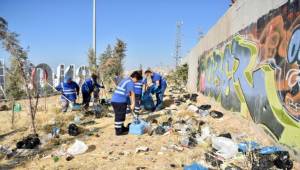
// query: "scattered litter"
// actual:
[[213, 159], [226, 135], [138, 127], [141, 149], [77, 148], [195, 166], [216, 114], [205, 133], [205, 107], [203, 113], [73, 130], [194, 97], [6, 151], [69, 157], [29, 142], [269, 150], [225, 147], [55, 132], [193, 108], [159, 130], [17, 107], [188, 141], [248, 146], [283, 160]]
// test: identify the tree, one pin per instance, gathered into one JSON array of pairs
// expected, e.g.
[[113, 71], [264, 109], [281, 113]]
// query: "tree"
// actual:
[[92, 60], [111, 62], [103, 60], [119, 55], [19, 55]]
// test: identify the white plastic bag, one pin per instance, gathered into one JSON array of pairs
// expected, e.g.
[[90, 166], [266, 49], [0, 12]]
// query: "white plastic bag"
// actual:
[[193, 108], [77, 148], [225, 147]]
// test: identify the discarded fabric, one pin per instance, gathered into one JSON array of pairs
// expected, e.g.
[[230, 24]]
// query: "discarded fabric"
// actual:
[[77, 148], [195, 166]]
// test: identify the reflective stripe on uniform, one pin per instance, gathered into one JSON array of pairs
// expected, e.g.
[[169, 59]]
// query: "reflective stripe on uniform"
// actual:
[[121, 89]]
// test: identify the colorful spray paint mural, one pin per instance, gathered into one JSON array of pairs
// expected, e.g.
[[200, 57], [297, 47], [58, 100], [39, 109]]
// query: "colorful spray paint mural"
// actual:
[[257, 72]]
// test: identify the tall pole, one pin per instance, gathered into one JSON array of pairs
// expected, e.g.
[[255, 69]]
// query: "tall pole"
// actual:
[[94, 27]]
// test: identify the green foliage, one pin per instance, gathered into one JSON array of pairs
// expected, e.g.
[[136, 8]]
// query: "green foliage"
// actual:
[[14, 87], [92, 60], [111, 61], [179, 75]]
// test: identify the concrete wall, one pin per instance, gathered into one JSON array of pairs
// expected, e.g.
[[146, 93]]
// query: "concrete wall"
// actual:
[[250, 62]]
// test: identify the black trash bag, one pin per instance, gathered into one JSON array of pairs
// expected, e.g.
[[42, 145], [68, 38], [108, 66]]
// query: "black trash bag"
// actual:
[[187, 96], [102, 101], [205, 107], [73, 130], [194, 97], [160, 130], [283, 160], [29, 142], [225, 135], [263, 162], [216, 114]]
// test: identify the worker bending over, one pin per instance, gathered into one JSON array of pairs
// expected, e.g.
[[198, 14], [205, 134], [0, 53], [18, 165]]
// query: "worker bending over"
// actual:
[[69, 91], [159, 87], [89, 86], [124, 92]]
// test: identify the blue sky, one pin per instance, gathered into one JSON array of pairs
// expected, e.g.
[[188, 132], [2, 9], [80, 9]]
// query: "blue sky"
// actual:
[[60, 31]]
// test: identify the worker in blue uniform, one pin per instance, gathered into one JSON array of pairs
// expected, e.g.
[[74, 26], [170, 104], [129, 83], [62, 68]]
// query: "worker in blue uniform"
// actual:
[[89, 86], [119, 101], [138, 91], [69, 91], [159, 85]]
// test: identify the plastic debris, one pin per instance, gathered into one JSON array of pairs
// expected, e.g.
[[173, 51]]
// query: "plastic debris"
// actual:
[[203, 113], [248, 146], [17, 107], [283, 160], [138, 127], [205, 107], [142, 149], [216, 114], [77, 148], [205, 133], [73, 130], [225, 147], [193, 108], [269, 150], [213, 160], [55, 132], [30, 142], [226, 135], [195, 166], [194, 97]]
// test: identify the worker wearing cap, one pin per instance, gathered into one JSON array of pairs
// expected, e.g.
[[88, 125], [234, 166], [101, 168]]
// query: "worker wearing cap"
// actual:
[[69, 91], [89, 86], [159, 85], [119, 101]]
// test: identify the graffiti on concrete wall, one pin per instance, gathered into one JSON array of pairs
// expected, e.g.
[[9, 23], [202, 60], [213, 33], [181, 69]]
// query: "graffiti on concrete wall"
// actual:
[[256, 72]]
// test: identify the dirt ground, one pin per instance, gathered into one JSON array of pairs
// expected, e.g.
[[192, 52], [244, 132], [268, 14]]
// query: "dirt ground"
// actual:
[[107, 151]]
